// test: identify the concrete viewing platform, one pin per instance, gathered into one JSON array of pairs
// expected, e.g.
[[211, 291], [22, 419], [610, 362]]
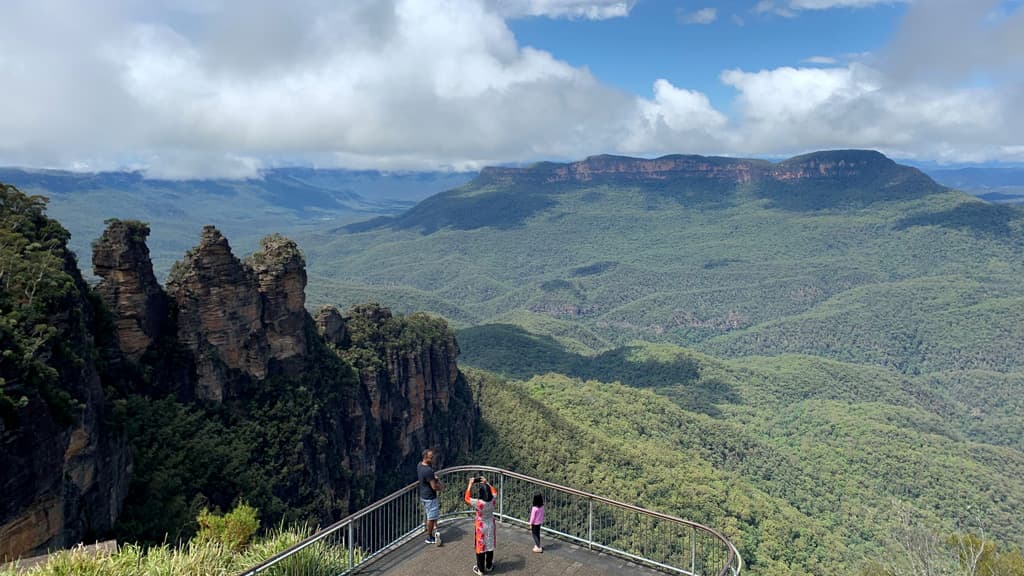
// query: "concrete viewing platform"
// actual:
[[512, 555]]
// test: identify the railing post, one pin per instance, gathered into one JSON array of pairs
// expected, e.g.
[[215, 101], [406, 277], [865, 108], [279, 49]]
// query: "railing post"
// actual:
[[351, 546], [693, 550], [501, 496], [590, 522]]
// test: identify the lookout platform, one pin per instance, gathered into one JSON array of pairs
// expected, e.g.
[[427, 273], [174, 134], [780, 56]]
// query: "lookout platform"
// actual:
[[513, 555], [596, 536]]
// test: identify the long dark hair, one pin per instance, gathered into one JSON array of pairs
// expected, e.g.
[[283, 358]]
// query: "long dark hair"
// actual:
[[538, 500], [483, 492]]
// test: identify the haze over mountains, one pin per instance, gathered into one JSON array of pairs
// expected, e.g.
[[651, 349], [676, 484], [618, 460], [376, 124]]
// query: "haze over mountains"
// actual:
[[285, 200], [993, 184]]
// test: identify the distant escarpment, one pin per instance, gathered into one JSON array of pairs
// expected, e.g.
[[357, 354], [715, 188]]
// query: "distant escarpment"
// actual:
[[638, 169], [504, 197], [836, 164], [219, 387]]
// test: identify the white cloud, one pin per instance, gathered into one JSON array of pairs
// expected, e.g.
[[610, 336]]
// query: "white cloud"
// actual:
[[438, 82], [702, 16], [676, 119], [771, 7], [823, 60], [794, 109], [590, 9], [223, 87]]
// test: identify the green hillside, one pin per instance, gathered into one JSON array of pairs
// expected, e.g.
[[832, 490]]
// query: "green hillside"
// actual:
[[886, 268], [803, 462], [823, 357], [852, 354]]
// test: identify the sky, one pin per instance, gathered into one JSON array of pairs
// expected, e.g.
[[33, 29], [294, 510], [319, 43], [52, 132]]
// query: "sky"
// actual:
[[225, 88]]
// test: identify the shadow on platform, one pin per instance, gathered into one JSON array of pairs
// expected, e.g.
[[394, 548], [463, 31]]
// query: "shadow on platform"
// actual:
[[512, 555]]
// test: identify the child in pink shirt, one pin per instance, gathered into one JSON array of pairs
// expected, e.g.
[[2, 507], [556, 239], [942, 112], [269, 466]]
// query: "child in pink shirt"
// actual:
[[536, 519]]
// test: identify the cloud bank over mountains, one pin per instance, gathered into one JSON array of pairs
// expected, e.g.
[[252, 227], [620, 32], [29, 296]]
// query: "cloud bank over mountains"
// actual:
[[224, 87]]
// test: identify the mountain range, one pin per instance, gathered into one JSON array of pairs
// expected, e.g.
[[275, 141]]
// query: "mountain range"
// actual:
[[284, 200], [820, 356], [999, 185], [807, 352]]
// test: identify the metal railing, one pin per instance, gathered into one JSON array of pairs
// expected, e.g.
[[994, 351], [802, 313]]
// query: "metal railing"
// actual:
[[653, 539]]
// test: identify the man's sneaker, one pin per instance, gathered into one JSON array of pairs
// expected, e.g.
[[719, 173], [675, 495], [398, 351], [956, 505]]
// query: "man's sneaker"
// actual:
[[477, 571], [437, 538], [430, 541]]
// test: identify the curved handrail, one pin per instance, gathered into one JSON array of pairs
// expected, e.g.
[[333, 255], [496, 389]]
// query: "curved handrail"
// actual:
[[733, 552], [401, 523]]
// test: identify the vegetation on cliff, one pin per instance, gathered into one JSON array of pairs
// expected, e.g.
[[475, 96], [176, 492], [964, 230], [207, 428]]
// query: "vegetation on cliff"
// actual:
[[259, 449], [240, 399], [41, 321]]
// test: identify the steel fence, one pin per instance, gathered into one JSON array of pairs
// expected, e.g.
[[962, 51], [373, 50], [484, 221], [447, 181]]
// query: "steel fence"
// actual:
[[652, 539]]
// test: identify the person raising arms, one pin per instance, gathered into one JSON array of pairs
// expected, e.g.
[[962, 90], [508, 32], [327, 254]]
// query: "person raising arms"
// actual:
[[480, 496]]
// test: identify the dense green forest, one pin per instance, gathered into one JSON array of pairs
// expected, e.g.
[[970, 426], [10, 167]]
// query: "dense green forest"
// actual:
[[190, 456], [816, 485], [921, 281], [850, 369]]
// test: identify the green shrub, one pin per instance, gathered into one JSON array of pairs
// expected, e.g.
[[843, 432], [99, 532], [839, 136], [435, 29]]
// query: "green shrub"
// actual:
[[233, 530]]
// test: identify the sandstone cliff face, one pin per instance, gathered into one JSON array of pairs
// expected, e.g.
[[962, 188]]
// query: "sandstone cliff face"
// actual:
[[835, 164], [228, 331], [415, 394], [331, 326], [244, 321], [818, 165], [727, 169], [220, 315], [64, 471], [281, 274], [732, 170], [129, 289]]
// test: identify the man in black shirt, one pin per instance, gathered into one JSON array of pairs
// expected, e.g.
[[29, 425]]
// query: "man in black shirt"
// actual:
[[429, 487]]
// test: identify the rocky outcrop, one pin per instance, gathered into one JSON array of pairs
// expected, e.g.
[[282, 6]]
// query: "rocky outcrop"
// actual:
[[281, 274], [728, 169], [330, 324], [128, 286], [834, 164], [733, 170], [244, 321], [220, 315], [237, 333], [416, 394]]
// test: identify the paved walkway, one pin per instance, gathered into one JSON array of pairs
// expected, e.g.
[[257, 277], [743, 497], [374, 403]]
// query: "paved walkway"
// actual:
[[512, 555]]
